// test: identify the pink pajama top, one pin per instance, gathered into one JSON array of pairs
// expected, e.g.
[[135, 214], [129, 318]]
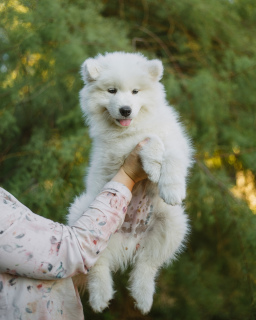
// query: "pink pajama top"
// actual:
[[38, 257]]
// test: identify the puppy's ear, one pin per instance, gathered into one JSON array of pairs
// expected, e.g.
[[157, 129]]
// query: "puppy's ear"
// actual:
[[156, 69], [90, 70]]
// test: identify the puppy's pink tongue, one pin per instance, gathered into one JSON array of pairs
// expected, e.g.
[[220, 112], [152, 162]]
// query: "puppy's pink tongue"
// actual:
[[125, 122]]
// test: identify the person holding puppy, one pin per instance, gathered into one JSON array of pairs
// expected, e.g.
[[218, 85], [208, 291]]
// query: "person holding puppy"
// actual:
[[38, 257]]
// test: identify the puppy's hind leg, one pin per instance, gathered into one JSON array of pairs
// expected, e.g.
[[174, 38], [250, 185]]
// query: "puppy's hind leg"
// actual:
[[163, 240], [100, 285], [142, 285]]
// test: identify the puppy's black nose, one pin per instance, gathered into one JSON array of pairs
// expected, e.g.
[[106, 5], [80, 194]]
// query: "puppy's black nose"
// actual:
[[125, 111]]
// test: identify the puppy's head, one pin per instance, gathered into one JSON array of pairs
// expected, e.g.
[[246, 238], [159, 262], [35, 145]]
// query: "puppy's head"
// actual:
[[119, 85]]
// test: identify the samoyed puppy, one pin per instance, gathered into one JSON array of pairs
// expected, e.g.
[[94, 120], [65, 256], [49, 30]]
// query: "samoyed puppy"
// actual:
[[124, 103]]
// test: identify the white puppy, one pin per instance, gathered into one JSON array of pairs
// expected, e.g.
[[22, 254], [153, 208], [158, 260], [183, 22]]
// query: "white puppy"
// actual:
[[124, 102]]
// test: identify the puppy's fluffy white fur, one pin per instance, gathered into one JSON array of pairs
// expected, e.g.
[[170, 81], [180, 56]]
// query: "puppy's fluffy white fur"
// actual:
[[166, 158]]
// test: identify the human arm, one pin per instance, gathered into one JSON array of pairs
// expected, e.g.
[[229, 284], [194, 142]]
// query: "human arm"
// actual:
[[36, 247]]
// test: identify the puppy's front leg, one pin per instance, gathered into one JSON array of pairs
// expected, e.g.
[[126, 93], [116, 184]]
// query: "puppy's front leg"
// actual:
[[168, 168], [172, 182], [152, 156]]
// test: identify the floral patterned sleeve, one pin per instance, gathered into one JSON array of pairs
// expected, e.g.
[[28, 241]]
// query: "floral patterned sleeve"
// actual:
[[36, 247]]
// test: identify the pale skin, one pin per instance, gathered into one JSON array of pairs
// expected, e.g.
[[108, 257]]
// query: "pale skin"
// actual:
[[131, 171]]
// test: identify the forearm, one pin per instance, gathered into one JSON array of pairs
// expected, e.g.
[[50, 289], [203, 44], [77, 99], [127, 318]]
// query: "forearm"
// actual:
[[36, 247], [123, 178]]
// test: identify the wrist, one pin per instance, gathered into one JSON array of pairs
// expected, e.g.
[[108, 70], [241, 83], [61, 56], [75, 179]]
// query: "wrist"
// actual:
[[123, 178]]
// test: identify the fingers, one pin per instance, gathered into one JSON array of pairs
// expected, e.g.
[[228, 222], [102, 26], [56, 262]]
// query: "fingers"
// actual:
[[142, 143]]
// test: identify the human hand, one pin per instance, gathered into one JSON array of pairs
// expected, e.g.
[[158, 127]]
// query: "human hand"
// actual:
[[133, 166], [132, 170]]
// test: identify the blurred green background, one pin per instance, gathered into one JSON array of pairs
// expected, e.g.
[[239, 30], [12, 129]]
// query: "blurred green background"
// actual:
[[209, 52]]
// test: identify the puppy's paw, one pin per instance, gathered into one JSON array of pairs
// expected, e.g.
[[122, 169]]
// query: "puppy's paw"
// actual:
[[99, 298], [142, 285], [172, 194], [100, 287], [143, 303], [152, 156], [143, 296]]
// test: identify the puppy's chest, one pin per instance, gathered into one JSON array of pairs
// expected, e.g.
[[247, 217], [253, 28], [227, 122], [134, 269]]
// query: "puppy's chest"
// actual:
[[138, 215]]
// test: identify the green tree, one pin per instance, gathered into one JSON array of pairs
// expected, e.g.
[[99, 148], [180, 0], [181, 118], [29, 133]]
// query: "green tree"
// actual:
[[43, 141], [209, 52]]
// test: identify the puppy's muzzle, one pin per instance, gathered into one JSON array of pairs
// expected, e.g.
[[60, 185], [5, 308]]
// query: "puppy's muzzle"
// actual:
[[125, 111]]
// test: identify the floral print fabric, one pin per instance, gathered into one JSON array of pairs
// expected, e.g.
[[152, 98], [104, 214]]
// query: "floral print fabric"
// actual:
[[33, 247]]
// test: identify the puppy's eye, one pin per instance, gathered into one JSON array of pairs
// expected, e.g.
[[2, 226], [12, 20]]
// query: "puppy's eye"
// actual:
[[135, 91], [112, 90]]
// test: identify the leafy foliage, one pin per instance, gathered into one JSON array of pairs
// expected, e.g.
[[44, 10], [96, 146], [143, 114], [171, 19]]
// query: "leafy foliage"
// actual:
[[209, 52], [44, 143]]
